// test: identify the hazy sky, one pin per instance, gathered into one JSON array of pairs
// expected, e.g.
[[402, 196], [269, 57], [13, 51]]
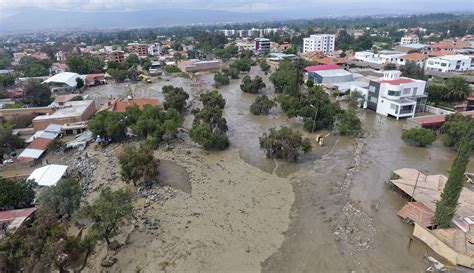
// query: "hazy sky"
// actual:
[[235, 5]]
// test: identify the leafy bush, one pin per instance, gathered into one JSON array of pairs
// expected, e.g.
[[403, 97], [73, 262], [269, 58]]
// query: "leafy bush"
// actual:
[[221, 80], [348, 123], [454, 129], [262, 105], [208, 138], [419, 136], [16, 195], [172, 69]]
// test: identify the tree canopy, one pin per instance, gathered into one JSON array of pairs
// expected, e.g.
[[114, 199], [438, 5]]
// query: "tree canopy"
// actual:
[[138, 166], [175, 97], [63, 198], [253, 86], [412, 70], [221, 79], [16, 194], [85, 64], [109, 212], [262, 105], [36, 94], [284, 143], [454, 129]]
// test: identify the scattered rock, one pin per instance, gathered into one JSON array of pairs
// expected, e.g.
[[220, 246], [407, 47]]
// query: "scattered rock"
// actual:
[[108, 261]]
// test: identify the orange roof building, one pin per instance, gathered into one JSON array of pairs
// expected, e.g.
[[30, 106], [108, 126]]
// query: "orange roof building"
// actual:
[[121, 105]]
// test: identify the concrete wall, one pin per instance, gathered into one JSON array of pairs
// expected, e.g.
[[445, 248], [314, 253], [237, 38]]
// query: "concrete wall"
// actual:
[[85, 116], [441, 248], [9, 114]]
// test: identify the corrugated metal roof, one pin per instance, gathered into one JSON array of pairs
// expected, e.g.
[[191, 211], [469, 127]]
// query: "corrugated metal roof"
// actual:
[[68, 78], [48, 175], [31, 153]]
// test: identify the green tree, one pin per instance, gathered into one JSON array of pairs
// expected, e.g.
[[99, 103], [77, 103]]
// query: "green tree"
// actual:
[[9, 142], [16, 195], [436, 93], [243, 64], [454, 129], [132, 59], [316, 109], [457, 89], [208, 138], [284, 143], [7, 79], [413, 70], [264, 66], [108, 124], [32, 67], [170, 69], [390, 66], [56, 145], [79, 83], [309, 83], [232, 73], [109, 212], [221, 79], [85, 64], [175, 97], [446, 207], [139, 166], [36, 94], [119, 75], [348, 123], [252, 86], [64, 198], [262, 105], [419, 136], [286, 78]]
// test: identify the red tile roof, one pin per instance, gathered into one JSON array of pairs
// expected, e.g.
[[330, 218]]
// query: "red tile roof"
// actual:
[[10, 215], [120, 106], [93, 76], [322, 67], [431, 121], [440, 53], [419, 213], [414, 56], [39, 144], [397, 82]]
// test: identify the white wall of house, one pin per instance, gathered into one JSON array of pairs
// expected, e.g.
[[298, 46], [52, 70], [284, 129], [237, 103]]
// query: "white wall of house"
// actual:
[[409, 39], [319, 42], [450, 63], [363, 91], [401, 61]]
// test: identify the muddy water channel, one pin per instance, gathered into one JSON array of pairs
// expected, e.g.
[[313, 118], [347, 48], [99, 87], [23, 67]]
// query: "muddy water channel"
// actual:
[[344, 217]]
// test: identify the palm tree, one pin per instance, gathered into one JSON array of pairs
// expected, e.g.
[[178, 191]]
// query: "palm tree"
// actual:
[[458, 89]]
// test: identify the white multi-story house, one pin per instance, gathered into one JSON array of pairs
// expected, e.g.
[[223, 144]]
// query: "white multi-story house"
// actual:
[[319, 42], [154, 49], [409, 39], [393, 95], [449, 63]]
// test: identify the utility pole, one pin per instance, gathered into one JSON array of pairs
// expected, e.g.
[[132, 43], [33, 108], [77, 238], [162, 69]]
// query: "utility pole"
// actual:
[[414, 188]]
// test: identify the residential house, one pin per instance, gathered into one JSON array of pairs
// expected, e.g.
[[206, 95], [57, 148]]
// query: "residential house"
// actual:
[[70, 112], [449, 63], [154, 49], [412, 47], [417, 58], [197, 65], [94, 79], [393, 95], [409, 39], [139, 49], [328, 74]]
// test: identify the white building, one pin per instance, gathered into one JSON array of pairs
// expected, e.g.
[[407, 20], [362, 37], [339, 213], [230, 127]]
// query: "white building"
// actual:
[[154, 49], [409, 39], [393, 95], [262, 45], [449, 63], [319, 42], [382, 57], [245, 46]]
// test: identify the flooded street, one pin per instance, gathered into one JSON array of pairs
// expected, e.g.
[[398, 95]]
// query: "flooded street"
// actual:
[[343, 217]]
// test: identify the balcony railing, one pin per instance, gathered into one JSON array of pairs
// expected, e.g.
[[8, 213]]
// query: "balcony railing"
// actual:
[[403, 112]]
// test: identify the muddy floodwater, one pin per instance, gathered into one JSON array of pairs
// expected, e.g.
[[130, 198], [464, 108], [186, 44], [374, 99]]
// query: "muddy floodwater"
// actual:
[[343, 217]]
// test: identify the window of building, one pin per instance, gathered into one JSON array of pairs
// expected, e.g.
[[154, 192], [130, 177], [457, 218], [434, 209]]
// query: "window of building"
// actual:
[[372, 88], [443, 64], [406, 91], [373, 99], [394, 107], [393, 93]]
